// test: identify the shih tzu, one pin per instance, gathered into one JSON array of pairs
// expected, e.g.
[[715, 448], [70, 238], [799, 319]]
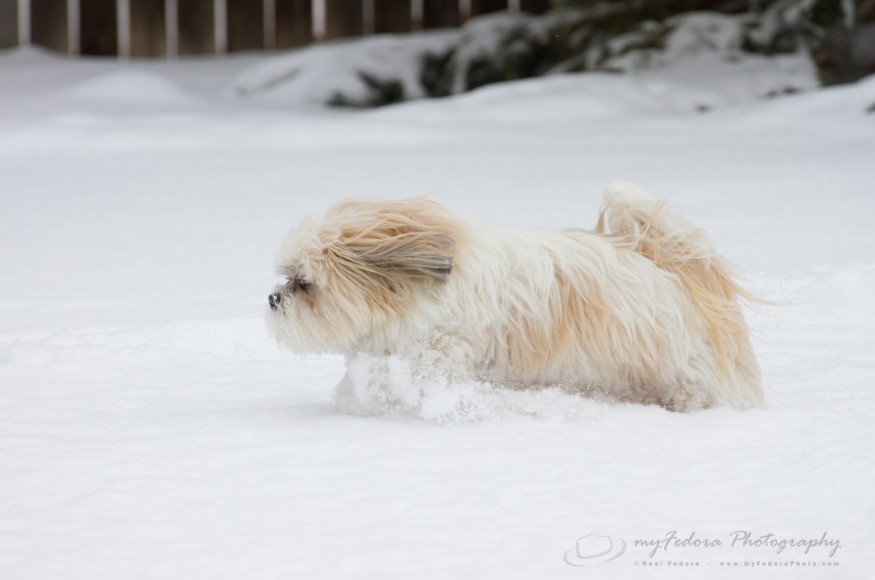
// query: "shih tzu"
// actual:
[[639, 309]]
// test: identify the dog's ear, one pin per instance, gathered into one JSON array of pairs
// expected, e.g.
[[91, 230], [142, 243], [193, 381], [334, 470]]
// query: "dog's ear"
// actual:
[[396, 240], [425, 253]]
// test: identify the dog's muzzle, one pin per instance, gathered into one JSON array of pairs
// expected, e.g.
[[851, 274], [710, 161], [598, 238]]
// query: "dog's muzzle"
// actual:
[[274, 300]]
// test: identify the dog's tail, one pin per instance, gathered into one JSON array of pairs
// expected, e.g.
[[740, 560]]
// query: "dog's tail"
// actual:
[[644, 223]]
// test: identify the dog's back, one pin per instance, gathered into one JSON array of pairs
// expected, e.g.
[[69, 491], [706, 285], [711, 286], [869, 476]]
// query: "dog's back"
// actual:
[[634, 219]]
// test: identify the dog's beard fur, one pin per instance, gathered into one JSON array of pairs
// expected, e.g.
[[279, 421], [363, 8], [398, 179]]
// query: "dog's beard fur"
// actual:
[[642, 308]]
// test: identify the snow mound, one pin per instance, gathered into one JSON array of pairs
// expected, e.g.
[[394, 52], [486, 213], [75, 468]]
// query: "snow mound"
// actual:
[[594, 96], [131, 87], [389, 387], [853, 104], [706, 56], [317, 74]]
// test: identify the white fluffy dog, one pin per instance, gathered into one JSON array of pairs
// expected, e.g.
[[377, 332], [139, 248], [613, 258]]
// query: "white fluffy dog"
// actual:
[[639, 309]]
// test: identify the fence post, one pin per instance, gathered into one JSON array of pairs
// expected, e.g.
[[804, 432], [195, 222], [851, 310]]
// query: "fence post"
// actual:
[[123, 27], [132, 28], [245, 25], [294, 23], [479, 7], [392, 16], [368, 17], [171, 28], [220, 26], [343, 18], [9, 24], [73, 42], [416, 14], [48, 24], [23, 22], [98, 27], [195, 27], [464, 11], [440, 13], [269, 24], [319, 21], [148, 35]]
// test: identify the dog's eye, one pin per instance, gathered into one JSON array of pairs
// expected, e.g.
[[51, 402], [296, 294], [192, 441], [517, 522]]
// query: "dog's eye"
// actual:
[[298, 283]]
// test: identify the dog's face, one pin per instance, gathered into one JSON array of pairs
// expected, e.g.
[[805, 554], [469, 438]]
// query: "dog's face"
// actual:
[[358, 272]]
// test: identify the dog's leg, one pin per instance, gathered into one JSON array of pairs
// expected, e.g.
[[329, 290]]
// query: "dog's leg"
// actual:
[[444, 353]]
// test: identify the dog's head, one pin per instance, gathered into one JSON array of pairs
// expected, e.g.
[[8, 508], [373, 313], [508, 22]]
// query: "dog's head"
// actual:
[[358, 272]]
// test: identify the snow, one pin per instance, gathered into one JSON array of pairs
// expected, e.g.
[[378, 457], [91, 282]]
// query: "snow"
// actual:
[[702, 53], [316, 73], [151, 429]]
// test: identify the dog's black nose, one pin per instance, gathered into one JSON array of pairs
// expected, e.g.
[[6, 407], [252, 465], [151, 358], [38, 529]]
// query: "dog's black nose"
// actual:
[[274, 300]]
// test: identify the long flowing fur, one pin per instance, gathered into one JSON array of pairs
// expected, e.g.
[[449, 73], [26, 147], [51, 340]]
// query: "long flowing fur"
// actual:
[[646, 225], [639, 309]]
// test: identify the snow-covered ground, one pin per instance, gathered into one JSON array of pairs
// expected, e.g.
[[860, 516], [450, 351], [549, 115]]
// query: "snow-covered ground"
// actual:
[[150, 429]]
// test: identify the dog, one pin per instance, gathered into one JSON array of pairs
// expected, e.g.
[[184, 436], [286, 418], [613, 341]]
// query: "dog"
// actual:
[[639, 309]]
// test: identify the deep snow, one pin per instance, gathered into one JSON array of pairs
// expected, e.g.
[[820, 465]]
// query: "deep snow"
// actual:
[[149, 428]]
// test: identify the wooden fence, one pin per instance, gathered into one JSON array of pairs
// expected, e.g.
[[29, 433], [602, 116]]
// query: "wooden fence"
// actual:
[[168, 28]]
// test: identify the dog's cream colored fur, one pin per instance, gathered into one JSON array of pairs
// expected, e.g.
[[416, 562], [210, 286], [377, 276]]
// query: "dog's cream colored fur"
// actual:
[[640, 309]]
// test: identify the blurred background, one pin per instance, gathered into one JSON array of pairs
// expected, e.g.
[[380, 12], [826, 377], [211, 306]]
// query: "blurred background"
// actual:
[[839, 34]]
